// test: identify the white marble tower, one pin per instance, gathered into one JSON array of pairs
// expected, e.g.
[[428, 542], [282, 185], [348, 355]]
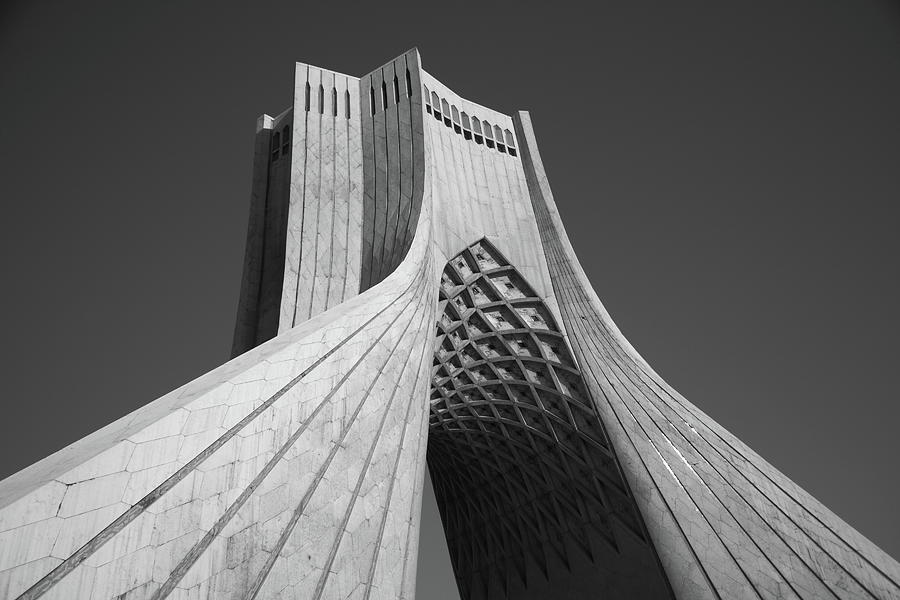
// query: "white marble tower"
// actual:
[[410, 299]]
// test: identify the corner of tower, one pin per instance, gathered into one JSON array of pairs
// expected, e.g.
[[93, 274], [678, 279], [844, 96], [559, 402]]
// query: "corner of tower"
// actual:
[[522, 115], [414, 51], [264, 121]]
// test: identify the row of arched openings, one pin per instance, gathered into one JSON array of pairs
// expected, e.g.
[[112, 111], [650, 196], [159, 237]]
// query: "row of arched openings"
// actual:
[[333, 100], [281, 140], [393, 93], [471, 128]]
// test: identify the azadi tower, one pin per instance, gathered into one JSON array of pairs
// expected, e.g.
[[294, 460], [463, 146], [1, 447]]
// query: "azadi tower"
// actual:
[[410, 298]]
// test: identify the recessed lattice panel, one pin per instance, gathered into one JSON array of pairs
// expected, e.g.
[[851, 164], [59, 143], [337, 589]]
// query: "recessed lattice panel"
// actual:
[[525, 477]]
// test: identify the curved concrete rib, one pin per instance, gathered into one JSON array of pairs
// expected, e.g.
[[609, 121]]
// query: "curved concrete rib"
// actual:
[[409, 292], [725, 523]]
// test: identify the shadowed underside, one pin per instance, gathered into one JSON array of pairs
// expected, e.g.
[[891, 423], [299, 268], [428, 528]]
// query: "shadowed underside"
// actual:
[[410, 297], [531, 495]]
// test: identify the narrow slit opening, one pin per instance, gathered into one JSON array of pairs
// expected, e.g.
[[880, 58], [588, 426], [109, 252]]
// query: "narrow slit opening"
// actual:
[[347, 102], [276, 143], [307, 96], [396, 90], [384, 96], [334, 107], [321, 99], [372, 99]]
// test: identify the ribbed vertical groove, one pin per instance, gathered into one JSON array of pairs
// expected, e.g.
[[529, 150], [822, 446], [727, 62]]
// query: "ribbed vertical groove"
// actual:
[[298, 512], [711, 479], [105, 535], [395, 471], [393, 191], [323, 579], [604, 352]]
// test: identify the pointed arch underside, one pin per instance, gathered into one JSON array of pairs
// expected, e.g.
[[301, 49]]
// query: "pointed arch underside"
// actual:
[[529, 489]]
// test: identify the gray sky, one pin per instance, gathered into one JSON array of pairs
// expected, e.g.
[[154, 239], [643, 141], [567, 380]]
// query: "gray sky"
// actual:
[[728, 176]]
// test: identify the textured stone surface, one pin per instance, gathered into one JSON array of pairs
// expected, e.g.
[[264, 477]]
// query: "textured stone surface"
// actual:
[[564, 465], [725, 523], [531, 495]]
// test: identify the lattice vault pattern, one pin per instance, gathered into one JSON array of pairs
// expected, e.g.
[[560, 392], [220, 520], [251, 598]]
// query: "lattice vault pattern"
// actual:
[[525, 474], [563, 465]]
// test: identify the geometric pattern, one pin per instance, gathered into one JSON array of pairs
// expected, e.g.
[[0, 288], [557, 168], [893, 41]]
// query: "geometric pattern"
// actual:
[[725, 523], [523, 470], [563, 465]]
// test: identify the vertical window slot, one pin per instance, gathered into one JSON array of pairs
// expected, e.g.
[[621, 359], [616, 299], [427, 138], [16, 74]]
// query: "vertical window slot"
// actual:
[[476, 129], [510, 142], [436, 103], [276, 142], [498, 135]]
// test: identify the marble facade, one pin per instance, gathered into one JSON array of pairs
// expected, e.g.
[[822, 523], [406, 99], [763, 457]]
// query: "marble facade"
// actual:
[[410, 299]]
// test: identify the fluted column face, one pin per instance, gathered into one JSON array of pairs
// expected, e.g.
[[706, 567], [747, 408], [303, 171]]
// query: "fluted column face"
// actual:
[[725, 523], [410, 300]]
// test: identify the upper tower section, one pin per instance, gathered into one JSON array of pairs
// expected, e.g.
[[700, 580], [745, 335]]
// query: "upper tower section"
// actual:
[[340, 178]]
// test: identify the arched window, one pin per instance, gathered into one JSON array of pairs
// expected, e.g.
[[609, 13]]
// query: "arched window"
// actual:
[[427, 97], [456, 126], [498, 135], [467, 126], [436, 103], [488, 135], [445, 108], [476, 129], [510, 142]]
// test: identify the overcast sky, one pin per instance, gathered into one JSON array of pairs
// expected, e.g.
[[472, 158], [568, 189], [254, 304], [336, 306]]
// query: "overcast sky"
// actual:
[[729, 177]]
